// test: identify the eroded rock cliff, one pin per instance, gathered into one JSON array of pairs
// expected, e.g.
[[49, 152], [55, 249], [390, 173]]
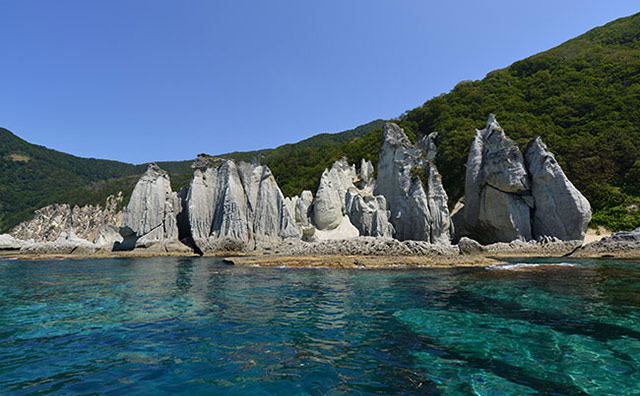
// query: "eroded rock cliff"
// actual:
[[86, 221], [151, 215], [560, 209], [510, 197], [412, 188], [236, 206]]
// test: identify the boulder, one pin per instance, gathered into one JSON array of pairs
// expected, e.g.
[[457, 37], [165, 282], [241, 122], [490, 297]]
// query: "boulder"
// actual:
[[561, 211], [469, 246], [151, 215], [413, 190]]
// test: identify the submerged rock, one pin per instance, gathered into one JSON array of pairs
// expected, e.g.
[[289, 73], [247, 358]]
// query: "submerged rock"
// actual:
[[561, 211], [151, 215], [413, 190], [234, 207]]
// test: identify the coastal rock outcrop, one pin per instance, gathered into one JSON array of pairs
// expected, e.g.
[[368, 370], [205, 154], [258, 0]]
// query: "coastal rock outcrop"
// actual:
[[329, 206], [560, 209], [151, 215], [345, 206], [51, 221], [510, 197], [412, 188], [8, 242], [497, 189], [67, 243], [235, 207], [617, 244]]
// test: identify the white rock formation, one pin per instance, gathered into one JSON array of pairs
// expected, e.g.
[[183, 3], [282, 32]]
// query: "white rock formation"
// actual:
[[497, 189], [329, 206], [8, 242], [151, 215], [418, 212], [561, 211], [510, 197], [87, 221], [345, 206], [236, 206]]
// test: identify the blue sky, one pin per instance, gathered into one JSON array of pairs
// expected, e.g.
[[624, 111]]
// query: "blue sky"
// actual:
[[139, 81]]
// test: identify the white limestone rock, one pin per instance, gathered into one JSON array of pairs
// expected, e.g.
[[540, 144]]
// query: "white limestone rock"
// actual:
[[151, 215], [67, 243], [8, 242], [497, 188], [235, 207], [368, 213], [417, 212], [561, 211], [52, 220], [329, 206]]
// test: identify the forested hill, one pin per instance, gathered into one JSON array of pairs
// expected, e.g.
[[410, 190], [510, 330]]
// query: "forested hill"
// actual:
[[32, 176], [582, 97]]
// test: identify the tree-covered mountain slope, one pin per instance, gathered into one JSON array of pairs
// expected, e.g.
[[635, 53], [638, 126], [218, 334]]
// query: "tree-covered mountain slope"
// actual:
[[582, 97]]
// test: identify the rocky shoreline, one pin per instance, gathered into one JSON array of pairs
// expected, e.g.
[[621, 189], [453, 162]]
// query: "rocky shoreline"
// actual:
[[369, 252], [515, 205]]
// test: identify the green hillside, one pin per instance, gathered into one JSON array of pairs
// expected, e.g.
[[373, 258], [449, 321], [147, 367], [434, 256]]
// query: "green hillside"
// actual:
[[582, 97], [32, 176]]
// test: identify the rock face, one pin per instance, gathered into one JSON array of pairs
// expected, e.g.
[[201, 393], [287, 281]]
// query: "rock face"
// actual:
[[560, 209], [509, 198], [497, 189], [50, 222], [413, 189], [67, 243], [345, 206], [8, 242], [151, 215], [329, 207], [236, 206]]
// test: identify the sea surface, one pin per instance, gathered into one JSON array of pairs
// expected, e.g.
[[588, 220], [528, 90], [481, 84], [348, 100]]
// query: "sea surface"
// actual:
[[191, 326]]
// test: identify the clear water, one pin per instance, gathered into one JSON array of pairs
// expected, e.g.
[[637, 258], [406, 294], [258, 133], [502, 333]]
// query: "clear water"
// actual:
[[197, 326]]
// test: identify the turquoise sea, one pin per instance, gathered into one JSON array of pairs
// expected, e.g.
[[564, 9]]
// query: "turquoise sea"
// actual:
[[197, 326]]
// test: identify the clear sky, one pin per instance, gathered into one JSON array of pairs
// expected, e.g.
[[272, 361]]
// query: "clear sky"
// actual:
[[139, 81]]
